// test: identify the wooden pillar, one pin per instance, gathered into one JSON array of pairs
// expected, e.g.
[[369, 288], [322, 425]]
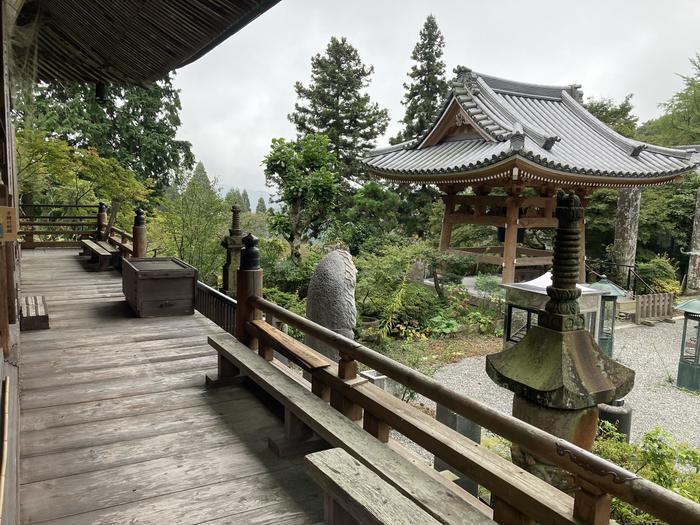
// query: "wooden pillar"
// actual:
[[446, 233], [510, 245], [101, 221], [139, 234]]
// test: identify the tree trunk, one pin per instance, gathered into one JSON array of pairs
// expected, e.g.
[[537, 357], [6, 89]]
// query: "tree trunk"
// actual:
[[693, 282], [626, 226]]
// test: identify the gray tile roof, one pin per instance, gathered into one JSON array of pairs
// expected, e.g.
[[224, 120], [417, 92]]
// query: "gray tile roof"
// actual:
[[546, 125]]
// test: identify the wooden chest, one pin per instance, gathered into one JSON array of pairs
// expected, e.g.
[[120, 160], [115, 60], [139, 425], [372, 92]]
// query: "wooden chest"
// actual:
[[159, 286]]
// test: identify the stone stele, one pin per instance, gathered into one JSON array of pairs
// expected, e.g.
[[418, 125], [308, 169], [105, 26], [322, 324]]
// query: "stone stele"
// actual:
[[331, 299]]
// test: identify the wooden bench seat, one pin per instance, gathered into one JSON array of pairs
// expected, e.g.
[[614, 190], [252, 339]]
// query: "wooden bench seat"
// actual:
[[34, 315], [353, 494], [429, 494], [98, 253]]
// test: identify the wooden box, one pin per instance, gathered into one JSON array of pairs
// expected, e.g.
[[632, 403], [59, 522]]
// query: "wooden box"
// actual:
[[159, 286]]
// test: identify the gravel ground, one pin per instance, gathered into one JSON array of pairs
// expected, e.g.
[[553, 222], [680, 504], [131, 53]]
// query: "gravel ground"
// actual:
[[651, 351]]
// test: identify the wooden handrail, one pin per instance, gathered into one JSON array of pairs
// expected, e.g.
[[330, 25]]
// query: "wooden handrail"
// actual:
[[125, 234], [595, 470], [216, 306]]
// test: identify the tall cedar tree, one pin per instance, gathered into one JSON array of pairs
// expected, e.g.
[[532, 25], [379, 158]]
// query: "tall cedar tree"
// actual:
[[335, 104], [423, 97], [427, 87], [137, 126], [261, 207]]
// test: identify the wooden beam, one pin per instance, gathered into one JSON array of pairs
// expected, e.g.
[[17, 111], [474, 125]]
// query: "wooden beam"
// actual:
[[533, 261], [446, 233], [510, 245], [538, 222], [486, 220]]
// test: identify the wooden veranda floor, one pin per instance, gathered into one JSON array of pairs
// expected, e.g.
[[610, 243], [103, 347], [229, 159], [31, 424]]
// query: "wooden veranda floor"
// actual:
[[117, 427]]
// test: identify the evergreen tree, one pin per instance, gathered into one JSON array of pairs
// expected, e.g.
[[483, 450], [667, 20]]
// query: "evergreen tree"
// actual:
[[261, 208], [335, 103], [135, 125], [233, 197], [427, 87], [245, 201], [194, 219], [303, 175]]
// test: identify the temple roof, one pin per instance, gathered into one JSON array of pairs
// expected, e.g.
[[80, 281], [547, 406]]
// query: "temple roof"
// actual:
[[123, 41], [487, 123]]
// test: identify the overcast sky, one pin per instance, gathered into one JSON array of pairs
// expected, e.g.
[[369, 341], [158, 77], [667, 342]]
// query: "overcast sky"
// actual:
[[236, 98]]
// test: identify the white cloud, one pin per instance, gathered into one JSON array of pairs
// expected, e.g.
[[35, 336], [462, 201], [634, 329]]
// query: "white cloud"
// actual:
[[236, 98]]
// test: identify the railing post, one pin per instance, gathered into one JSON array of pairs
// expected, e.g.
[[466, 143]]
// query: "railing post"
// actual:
[[591, 505], [139, 234], [102, 221], [249, 283], [347, 370]]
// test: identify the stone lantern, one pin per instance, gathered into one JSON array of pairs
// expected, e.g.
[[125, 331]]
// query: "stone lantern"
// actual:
[[689, 362], [233, 243], [557, 371], [608, 313]]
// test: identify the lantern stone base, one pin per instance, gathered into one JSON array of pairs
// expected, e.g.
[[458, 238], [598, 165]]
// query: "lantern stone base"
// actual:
[[576, 426], [688, 376]]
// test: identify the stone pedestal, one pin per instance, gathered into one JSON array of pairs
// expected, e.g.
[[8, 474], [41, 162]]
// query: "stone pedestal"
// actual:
[[467, 428], [576, 426]]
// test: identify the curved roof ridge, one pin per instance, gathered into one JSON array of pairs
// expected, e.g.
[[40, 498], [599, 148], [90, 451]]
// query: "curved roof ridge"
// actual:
[[388, 149], [515, 87], [467, 94], [630, 146], [536, 133]]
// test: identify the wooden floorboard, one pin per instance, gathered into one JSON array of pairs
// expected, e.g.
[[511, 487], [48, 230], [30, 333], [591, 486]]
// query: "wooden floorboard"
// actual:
[[117, 427]]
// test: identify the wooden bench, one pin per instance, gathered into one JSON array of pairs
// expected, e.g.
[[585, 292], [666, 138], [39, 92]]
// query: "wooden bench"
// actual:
[[34, 315], [443, 504], [98, 253], [353, 494], [116, 255]]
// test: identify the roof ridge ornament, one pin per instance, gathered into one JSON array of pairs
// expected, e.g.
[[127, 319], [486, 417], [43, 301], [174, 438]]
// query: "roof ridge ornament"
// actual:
[[517, 137]]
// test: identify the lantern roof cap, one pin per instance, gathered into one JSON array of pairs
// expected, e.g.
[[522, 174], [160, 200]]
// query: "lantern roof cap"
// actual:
[[607, 287], [692, 306]]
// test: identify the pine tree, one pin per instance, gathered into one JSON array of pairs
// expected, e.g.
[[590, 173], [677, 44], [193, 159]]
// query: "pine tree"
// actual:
[[261, 208], [245, 201], [427, 87], [335, 103]]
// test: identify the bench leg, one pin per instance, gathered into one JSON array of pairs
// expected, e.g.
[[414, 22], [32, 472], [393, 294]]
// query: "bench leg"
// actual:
[[228, 375], [298, 439], [334, 514]]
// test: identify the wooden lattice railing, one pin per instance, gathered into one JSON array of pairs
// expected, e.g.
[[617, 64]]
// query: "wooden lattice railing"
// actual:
[[56, 225], [518, 496], [216, 306]]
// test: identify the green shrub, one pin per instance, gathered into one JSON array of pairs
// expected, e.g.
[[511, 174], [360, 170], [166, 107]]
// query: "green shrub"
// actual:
[[661, 273], [656, 457], [489, 285]]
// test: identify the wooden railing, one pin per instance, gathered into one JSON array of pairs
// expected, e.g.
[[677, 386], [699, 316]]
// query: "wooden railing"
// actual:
[[517, 496], [122, 240], [56, 225], [653, 307], [216, 306]]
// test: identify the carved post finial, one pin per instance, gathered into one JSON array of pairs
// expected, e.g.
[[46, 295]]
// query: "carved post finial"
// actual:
[[250, 254], [139, 217], [101, 207]]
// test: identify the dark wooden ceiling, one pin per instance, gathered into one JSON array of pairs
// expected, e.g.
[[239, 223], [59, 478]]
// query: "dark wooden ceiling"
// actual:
[[129, 41]]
